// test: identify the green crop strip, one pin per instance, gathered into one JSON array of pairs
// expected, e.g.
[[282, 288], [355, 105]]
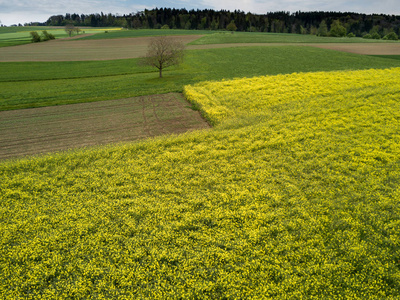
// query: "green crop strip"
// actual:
[[143, 33]]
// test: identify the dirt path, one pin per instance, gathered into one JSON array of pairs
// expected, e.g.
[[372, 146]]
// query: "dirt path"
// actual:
[[55, 128]]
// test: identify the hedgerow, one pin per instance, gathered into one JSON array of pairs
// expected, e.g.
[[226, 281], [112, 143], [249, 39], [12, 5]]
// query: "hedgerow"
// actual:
[[293, 194]]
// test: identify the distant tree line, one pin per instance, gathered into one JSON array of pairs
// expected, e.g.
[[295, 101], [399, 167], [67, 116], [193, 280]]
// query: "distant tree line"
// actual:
[[317, 23]]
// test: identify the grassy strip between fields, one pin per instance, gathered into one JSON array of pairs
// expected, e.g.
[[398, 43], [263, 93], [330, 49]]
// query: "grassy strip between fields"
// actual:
[[13, 36], [144, 33], [294, 194], [388, 56], [30, 84]]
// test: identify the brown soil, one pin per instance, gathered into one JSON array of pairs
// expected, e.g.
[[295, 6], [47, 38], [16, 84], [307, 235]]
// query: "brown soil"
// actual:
[[83, 50], [49, 129], [366, 49]]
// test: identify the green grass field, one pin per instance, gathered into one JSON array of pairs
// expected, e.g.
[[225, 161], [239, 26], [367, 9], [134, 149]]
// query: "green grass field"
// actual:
[[33, 84], [11, 36], [24, 37], [294, 193], [388, 56]]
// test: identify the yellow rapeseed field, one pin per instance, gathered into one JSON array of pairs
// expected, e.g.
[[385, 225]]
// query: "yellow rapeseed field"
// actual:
[[294, 194]]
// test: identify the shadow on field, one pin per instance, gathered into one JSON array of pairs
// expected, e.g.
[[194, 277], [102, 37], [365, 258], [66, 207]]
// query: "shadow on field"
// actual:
[[55, 128]]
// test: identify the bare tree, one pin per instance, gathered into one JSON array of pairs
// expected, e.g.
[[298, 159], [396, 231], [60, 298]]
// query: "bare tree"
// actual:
[[163, 52], [69, 28]]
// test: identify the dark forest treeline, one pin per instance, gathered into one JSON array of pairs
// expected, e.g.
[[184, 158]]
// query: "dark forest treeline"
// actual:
[[322, 23]]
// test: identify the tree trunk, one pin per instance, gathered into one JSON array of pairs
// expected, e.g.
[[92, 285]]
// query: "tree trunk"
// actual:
[[160, 72]]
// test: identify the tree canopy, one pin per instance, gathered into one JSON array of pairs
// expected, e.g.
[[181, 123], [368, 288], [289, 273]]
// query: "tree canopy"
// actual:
[[278, 22]]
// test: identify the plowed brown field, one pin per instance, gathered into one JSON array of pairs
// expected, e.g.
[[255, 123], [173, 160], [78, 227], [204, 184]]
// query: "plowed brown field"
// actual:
[[82, 50], [48, 129]]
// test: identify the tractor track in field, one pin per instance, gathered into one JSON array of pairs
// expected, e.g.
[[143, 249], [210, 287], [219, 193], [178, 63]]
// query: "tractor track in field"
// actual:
[[145, 122], [59, 128], [158, 121]]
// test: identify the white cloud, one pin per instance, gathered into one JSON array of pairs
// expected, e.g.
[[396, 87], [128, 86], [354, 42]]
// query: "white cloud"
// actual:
[[259, 6], [25, 11]]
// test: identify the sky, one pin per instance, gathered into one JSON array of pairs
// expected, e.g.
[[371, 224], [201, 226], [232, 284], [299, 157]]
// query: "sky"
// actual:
[[26, 11]]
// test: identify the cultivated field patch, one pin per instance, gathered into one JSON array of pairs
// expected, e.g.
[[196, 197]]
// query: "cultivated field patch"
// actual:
[[47, 129], [366, 49], [39, 84], [82, 50]]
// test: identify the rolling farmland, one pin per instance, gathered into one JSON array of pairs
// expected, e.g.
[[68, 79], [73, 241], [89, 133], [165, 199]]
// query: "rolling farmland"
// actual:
[[293, 193], [108, 49]]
